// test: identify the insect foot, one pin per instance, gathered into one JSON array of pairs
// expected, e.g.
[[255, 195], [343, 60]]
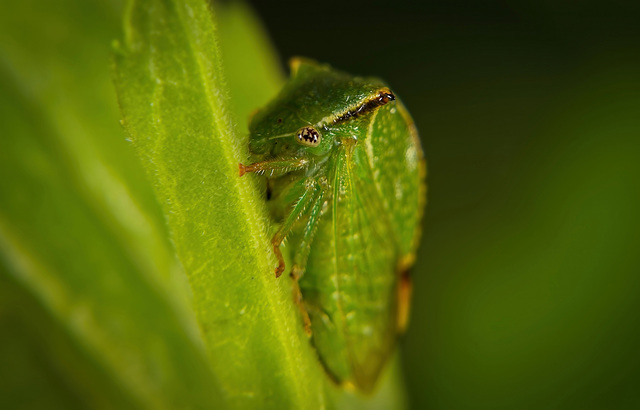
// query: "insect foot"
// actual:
[[275, 242]]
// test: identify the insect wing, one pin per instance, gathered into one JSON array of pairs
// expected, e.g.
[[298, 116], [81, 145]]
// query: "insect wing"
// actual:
[[394, 151], [350, 285]]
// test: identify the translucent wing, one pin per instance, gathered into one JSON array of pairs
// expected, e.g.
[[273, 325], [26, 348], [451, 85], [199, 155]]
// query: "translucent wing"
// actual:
[[350, 285]]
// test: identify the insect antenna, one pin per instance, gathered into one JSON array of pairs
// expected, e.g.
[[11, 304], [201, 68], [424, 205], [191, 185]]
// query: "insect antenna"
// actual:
[[289, 134], [303, 120]]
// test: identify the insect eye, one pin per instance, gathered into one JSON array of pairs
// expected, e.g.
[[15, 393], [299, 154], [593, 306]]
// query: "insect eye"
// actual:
[[308, 136]]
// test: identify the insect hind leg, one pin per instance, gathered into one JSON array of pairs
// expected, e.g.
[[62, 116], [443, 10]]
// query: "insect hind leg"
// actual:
[[307, 201], [405, 290], [301, 254]]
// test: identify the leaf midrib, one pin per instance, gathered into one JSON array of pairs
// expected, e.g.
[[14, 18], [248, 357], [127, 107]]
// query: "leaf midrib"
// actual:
[[248, 207]]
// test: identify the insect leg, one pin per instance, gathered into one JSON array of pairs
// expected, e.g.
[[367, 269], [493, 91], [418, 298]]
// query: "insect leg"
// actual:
[[297, 299], [302, 253], [308, 198], [280, 166], [405, 288]]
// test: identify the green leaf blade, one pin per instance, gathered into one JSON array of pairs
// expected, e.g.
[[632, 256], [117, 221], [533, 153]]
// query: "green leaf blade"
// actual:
[[173, 97], [88, 280], [82, 280]]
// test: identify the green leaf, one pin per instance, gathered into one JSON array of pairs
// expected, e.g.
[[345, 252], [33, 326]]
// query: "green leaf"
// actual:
[[93, 307], [174, 102]]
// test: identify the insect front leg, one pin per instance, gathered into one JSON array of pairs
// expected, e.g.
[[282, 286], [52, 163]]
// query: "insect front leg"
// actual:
[[274, 167], [310, 196]]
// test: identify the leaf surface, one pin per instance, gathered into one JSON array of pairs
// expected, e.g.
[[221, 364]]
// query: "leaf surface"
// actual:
[[94, 310], [175, 104]]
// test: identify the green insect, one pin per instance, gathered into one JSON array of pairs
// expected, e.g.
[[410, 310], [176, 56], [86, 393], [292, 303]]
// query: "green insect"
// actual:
[[345, 175]]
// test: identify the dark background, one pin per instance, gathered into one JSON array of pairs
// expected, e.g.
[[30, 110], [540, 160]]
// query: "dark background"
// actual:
[[527, 280]]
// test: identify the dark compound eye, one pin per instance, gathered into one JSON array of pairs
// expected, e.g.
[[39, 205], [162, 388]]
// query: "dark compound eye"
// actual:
[[308, 136]]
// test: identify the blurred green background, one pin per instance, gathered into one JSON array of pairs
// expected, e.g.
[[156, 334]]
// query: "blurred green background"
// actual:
[[527, 285], [527, 280]]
